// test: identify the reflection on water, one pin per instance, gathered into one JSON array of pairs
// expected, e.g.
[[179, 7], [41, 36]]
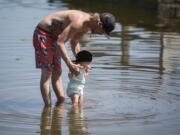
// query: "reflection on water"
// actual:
[[51, 125], [77, 122], [134, 84], [169, 13], [46, 121], [51, 122], [125, 46]]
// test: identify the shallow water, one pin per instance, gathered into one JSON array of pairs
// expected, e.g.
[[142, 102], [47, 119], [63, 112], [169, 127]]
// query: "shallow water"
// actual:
[[133, 87]]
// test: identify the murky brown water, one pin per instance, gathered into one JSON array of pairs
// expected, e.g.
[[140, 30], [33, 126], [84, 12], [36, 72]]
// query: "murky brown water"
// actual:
[[133, 88]]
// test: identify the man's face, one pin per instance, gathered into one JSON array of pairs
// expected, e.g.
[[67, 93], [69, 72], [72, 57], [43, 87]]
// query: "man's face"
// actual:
[[97, 30], [100, 31]]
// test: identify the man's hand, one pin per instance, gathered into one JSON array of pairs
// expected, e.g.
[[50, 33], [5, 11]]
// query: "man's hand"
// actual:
[[74, 68]]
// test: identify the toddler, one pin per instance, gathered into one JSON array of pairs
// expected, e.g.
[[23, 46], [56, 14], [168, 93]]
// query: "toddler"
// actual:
[[76, 84]]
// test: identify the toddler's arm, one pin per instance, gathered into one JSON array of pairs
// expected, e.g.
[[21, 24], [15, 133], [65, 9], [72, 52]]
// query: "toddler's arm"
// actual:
[[87, 70], [70, 75]]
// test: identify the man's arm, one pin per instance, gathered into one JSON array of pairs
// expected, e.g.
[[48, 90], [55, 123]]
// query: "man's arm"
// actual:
[[75, 46], [62, 38]]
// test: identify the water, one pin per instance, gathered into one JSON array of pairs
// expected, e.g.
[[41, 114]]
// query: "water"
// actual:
[[133, 87]]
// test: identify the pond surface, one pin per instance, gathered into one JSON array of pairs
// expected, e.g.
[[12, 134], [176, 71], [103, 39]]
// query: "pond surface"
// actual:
[[133, 88]]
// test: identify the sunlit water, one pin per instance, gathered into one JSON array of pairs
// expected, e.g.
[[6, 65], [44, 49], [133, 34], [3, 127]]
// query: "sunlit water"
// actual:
[[133, 88]]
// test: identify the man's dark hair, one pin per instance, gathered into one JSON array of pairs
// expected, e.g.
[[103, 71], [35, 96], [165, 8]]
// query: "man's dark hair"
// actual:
[[108, 22]]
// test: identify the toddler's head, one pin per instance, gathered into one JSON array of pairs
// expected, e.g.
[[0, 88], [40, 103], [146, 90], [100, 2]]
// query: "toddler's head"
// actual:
[[84, 58]]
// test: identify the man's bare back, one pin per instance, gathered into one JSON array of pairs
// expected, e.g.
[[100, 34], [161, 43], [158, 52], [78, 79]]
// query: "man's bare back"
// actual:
[[56, 22]]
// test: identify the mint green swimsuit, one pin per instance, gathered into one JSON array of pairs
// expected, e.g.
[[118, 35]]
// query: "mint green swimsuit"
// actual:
[[76, 84]]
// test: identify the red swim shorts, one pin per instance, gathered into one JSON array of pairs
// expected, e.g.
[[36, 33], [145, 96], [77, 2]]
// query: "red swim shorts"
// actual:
[[46, 53]]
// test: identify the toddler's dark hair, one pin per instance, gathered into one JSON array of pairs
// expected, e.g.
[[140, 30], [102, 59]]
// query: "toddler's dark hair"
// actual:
[[83, 56]]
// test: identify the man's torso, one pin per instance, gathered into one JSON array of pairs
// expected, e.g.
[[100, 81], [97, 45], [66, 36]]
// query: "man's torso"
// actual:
[[55, 23]]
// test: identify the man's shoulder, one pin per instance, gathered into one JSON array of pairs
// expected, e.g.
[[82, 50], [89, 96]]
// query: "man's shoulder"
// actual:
[[80, 18]]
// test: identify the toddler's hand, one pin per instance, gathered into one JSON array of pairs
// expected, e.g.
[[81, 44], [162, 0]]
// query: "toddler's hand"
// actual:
[[87, 70]]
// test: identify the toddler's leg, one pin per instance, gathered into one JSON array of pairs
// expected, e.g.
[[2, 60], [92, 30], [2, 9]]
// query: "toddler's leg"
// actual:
[[80, 100], [75, 99]]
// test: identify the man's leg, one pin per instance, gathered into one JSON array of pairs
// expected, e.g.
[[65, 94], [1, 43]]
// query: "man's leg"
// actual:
[[57, 85], [45, 86]]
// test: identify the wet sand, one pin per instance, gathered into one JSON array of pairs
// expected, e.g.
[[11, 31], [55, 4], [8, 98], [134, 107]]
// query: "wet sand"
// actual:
[[133, 88]]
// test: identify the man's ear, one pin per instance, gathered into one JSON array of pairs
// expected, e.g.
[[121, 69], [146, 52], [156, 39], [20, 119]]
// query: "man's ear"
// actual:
[[96, 18], [100, 24]]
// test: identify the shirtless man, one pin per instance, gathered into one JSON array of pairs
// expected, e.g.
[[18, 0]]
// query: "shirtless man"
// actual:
[[49, 37]]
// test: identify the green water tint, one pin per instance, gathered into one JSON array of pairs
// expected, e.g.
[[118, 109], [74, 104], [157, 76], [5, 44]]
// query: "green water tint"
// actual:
[[133, 87], [149, 14]]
